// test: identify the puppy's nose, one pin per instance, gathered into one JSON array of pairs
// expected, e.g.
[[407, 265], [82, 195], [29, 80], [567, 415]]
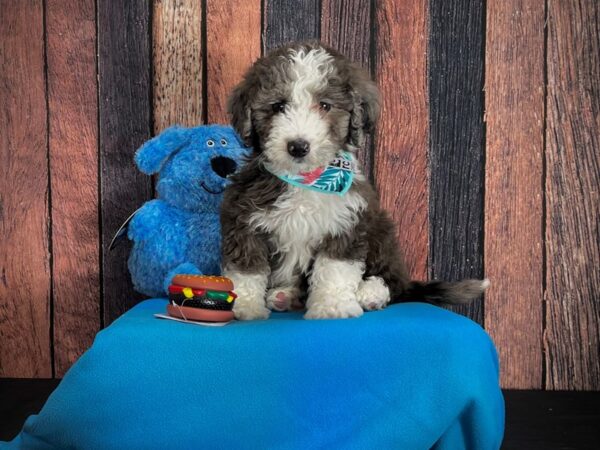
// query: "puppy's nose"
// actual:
[[223, 166], [298, 148]]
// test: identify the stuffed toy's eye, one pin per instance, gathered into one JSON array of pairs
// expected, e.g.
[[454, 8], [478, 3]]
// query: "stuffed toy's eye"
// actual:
[[223, 142], [210, 143], [278, 107], [325, 106]]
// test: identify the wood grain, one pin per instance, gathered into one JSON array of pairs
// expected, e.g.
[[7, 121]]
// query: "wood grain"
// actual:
[[230, 49], [572, 336], [401, 139], [287, 21], [456, 143], [346, 26], [24, 230], [177, 59], [73, 148], [125, 123], [513, 199]]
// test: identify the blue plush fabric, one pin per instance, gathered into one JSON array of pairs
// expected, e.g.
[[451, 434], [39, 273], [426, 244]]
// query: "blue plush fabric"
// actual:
[[180, 231], [412, 376]]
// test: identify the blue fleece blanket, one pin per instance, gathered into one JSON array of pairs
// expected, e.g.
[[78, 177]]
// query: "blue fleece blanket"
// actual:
[[412, 376]]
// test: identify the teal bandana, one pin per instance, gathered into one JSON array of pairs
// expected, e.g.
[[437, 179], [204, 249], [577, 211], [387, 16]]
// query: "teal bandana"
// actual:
[[336, 178]]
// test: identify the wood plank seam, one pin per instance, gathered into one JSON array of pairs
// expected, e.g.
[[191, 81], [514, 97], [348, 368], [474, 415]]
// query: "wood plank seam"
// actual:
[[49, 189], [204, 37], [545, 355]]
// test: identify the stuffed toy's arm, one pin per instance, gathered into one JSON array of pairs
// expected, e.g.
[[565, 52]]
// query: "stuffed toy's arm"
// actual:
[[149, 220]]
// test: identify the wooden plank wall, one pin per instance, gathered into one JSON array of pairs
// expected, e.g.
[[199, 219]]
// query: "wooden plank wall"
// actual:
[[513, 213], [25, 282], [572, 228], [487, 154], [456, 142], [73, 150], [125, 122]]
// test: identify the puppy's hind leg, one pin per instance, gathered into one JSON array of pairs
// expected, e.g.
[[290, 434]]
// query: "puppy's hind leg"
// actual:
[[373, 293], [333, 285]]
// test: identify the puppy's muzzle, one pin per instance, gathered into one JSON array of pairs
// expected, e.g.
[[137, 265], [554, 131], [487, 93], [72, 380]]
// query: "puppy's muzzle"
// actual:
[[298, 148], [223, 166]]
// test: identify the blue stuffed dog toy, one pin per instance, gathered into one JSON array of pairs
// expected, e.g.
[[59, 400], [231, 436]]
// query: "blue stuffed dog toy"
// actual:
[[179, 232]]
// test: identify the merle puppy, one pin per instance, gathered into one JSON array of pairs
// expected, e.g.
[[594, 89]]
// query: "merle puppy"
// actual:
[[305, 109]]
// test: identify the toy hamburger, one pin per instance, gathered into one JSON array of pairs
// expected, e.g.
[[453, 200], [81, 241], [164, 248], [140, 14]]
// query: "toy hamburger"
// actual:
[[204, 298]]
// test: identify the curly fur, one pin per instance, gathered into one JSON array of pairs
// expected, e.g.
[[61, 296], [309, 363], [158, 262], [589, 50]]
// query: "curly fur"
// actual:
[[179, 232], [279, 235]]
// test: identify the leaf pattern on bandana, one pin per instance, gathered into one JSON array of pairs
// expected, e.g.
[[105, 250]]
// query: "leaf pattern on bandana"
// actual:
[[336, 178]]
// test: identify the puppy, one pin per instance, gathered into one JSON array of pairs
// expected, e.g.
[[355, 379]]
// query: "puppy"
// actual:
[[301, 209]]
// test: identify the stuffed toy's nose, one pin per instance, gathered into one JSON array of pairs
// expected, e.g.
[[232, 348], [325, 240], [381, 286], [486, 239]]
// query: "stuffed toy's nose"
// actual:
[[223, 166]]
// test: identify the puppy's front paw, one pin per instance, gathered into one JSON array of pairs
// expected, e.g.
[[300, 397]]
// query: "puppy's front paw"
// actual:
[[373, 294], [284, 298], [250, 308], [324, 307]]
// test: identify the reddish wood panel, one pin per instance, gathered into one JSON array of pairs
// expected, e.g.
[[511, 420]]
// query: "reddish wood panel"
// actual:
[[24, 220], [230, 49], [73, 147], [346, 26], [572, 336], [401, 139], [177, 59], [513, 201]]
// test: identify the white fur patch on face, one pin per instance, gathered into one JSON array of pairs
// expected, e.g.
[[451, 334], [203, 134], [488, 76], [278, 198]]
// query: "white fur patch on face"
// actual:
[[332, 289], [299, 221], [250, 289], [302, 118]]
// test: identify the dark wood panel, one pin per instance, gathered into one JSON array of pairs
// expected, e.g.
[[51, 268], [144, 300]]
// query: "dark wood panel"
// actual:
[[286, 21], [513, 200], [573, 196], [125, 123], [73, 147], [456, 143], [226, 64], [177, 59], [24, 211], [346, 26], [400, 164]]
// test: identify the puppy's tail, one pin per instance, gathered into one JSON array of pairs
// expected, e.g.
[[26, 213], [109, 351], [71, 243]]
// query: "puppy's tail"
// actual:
[[444, 292]]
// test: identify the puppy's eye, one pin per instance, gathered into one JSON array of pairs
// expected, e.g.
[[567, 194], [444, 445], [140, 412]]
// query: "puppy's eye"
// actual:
[[278, 107], [223, 142], [210, 143], [325, 106]]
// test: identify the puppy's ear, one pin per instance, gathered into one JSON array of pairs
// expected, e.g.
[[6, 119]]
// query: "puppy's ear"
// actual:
[[365, 111], [151, 156], [238, 106]]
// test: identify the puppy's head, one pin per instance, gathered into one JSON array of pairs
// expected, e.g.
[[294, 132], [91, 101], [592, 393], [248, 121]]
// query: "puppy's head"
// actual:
[[302, 103]]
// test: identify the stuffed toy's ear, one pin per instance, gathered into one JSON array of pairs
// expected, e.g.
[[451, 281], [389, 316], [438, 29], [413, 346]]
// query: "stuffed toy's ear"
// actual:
[[151, 156]]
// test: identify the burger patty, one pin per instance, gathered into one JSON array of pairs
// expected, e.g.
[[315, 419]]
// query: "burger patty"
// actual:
[[200, 302]]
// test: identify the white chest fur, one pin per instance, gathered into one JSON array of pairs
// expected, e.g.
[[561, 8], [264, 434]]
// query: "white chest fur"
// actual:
[[298, 222]]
